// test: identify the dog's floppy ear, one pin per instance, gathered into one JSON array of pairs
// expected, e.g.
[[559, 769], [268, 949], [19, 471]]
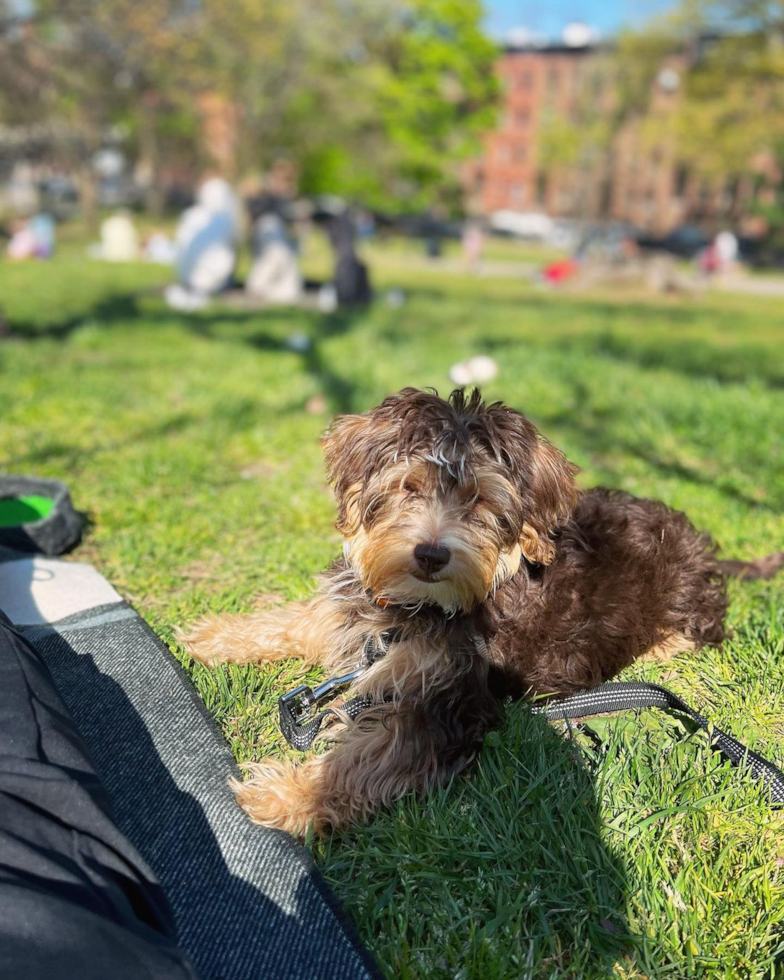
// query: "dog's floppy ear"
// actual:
[[345, 446], [355, 448], [543, 477], [550, 495]]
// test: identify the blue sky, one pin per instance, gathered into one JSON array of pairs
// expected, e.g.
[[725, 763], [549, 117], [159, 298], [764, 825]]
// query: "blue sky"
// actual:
[[549, 17]]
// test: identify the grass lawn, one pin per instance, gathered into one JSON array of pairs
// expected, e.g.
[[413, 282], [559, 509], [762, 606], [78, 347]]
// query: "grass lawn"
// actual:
[[623, 849]]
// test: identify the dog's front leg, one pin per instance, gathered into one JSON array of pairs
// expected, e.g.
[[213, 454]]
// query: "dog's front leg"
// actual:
[[387, 753], [311, 631], [376, 763]]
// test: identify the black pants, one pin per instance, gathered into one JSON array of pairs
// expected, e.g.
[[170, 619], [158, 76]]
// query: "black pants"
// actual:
[[77, 902]]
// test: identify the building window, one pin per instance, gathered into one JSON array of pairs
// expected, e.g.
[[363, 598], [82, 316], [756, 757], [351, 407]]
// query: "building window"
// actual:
[[520, 154], [517, 192], [681, 179], [522, 117], [525, 81]]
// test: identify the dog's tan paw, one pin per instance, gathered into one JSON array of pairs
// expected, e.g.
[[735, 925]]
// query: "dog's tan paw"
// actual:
[[231, 638], [283, 796], [203, 640], [217, 639]]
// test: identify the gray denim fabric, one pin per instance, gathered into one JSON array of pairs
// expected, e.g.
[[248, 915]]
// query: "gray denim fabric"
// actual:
[[248, 902]]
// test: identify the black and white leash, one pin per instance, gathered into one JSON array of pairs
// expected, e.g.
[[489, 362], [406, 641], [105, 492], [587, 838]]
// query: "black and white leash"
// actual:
[[622, 695], [300, 730]]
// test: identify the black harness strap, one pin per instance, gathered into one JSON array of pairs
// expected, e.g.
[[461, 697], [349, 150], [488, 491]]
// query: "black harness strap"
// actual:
[[301, 734]]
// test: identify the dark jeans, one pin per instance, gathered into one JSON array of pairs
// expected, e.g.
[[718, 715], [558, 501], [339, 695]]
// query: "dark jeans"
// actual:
[[76, 899]]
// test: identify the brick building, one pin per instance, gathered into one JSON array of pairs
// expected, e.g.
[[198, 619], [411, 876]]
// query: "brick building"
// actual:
[[635, 182], [536, 82]]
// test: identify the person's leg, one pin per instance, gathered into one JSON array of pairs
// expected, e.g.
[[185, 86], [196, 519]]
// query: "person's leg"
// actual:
[[76, 899]]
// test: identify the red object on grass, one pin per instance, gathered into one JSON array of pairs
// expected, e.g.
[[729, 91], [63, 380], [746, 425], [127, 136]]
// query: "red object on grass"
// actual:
[[560, 271]]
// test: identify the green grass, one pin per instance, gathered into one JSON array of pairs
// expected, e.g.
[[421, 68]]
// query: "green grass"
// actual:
[[494, 249], [624, 848]]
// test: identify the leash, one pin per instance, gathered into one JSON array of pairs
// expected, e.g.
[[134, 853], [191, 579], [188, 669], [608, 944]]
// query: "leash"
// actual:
[[300, 730], [621, 695], [295, 707]]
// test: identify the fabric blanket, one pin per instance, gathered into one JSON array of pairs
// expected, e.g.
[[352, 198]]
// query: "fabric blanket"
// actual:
[[249, 902]]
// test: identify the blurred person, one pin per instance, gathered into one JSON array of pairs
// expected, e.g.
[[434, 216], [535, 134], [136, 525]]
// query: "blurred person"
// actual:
[[352, 280], [709, 261], [473, 243], [32, 239], [160, 249], [43, 229], [365, 225], [274, 276], [119, 240], [207, 242], [727, 249], [21, 244], [560, 271]]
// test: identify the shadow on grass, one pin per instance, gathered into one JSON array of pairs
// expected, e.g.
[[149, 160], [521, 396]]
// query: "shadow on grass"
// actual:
[[109, 310], [691, 357], [640, 343], [71, 455], [677, 351], [597, 435], [217, 323], [510, 863]]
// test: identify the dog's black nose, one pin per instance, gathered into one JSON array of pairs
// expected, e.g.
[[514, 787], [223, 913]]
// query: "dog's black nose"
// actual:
[[431, 558]]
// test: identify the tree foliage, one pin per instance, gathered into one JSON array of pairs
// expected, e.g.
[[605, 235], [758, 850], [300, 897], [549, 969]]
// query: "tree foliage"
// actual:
[[728, 119], [702, 87], [376, 99]]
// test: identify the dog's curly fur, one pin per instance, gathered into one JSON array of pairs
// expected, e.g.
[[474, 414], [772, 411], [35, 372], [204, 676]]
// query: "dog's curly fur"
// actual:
[[465, 533]]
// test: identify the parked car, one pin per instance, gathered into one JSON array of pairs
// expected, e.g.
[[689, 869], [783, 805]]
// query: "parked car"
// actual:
[[608, 241], [531, 225], [686, 241]]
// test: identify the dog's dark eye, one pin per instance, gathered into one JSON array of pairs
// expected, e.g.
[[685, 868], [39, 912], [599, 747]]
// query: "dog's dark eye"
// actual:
[[371, 511], [504, 524], [410, 488]]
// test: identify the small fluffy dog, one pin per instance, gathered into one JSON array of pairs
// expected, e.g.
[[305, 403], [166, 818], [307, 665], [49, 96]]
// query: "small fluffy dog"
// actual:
[[465, 534]]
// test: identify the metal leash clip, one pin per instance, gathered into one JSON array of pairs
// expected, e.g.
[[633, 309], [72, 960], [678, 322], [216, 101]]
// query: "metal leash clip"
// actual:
[[301, 700], [296, 706]]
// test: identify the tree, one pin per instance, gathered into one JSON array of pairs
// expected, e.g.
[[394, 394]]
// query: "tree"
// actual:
[[726, 124], [375, 99], [434, 93]]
